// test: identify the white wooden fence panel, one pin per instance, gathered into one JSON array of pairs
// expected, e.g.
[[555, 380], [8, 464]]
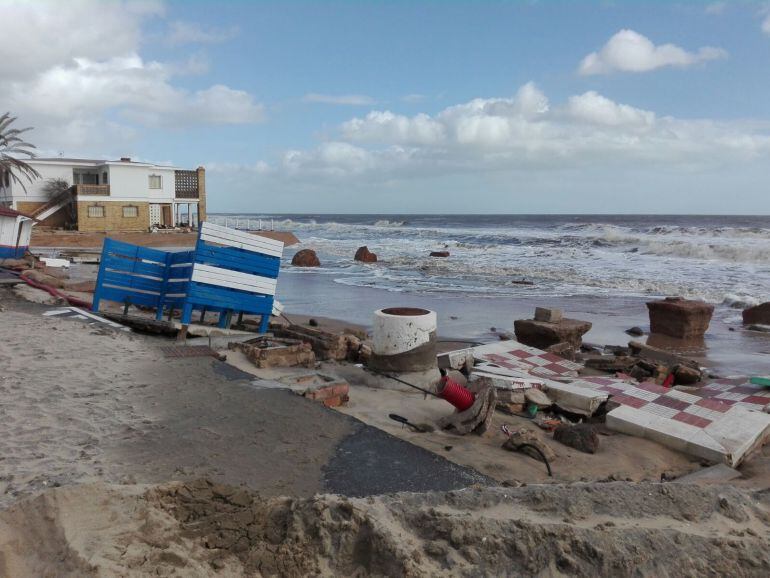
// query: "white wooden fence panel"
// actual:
[[232, 238], [233, 279]]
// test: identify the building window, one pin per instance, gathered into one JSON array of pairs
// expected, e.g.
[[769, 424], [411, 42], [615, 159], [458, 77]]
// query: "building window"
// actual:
[[95, 212], [104, 178], [130, 212], [156, 182]]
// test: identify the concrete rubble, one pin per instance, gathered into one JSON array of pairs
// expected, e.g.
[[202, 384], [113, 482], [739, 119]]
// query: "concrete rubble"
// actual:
[[680, 318], [721, 421], [543, 334], [267, 352]]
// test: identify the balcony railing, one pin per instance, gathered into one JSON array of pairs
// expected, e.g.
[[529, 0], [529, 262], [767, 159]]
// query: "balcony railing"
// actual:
[[103, 190]]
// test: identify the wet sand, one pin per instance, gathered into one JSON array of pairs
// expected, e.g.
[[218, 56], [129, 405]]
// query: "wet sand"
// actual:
[[737, 352]]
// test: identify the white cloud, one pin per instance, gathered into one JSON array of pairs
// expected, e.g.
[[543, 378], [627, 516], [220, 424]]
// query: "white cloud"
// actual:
[[180, 32], [74, 71], [629, 51], [766, 24], [592, 107], [413, 97], [40, 34], [342, 99], [524, 133]]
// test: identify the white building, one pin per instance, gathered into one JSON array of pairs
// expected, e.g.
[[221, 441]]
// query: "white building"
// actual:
[[120, 195]]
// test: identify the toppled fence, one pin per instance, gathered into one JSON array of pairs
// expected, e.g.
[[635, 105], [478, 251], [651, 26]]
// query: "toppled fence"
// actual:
[[228, 272]]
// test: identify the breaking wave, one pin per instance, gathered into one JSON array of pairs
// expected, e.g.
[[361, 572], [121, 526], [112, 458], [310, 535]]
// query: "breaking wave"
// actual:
[[725, 260]]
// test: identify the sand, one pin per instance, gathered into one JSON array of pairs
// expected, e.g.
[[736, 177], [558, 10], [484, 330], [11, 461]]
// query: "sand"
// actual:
[[118, 461], [202, 529]]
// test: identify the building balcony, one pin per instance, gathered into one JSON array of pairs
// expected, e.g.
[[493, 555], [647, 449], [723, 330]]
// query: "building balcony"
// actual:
[[103, 190]]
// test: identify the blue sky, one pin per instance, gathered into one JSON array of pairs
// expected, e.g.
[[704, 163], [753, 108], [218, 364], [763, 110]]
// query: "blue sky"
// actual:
[[399, 107]]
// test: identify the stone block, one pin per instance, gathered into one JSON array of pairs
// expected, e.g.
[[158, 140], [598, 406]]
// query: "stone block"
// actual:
[[549, 315], [680, 318], [542, 334]]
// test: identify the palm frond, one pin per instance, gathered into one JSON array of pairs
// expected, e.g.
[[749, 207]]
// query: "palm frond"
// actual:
[[12, 146]]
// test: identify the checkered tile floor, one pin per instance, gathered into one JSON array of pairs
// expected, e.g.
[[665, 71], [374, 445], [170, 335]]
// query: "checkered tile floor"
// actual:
[[698, 408], [520, 357]]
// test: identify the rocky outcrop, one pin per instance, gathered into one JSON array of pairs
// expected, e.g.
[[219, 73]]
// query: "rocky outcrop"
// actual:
[[439, 253], [542, 334], [680, 318], [305, 258], [759, 314], [365, 255]]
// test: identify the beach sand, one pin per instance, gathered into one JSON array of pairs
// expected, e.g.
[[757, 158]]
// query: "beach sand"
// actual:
[[99, 429]]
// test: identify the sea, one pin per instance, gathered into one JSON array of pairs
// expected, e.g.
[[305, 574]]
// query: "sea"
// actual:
[[598, 267], [721, 259]]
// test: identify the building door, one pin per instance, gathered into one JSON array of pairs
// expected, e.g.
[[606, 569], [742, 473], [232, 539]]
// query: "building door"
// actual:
[[167, 221], [154, 215]]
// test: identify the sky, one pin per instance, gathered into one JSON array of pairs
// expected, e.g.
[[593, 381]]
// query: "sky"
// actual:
[[409, 107]]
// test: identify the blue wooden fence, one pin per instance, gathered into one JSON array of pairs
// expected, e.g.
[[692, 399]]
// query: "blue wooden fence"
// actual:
[[228, 272]]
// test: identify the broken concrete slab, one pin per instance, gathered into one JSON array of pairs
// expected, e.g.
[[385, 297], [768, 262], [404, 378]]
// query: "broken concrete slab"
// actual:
[[717, 436], [543, 334], [514, 358], [574, 398], [717, 474]]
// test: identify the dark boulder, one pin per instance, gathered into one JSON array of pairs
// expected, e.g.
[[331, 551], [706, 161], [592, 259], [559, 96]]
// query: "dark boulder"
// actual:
[[582, 437], [365, 255], [306, 258], [439, 253], [759, 314]]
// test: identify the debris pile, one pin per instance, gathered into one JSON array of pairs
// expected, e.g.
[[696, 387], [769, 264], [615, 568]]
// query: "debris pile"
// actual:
[[326, 346], [718, 421], [267, 352]]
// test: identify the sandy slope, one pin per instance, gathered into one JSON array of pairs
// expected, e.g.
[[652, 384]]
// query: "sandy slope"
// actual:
[[200, 528], [66, 388]]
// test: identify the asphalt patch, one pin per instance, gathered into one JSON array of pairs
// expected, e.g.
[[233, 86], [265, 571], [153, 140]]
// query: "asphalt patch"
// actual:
[[370, 461]]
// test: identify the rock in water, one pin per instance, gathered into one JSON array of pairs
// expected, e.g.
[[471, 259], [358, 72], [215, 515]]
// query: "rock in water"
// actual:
[[542, 334], [306, 258], [759, 314], [365, 255], [582, 437], [636, 331], [680, 318], [439, 253]]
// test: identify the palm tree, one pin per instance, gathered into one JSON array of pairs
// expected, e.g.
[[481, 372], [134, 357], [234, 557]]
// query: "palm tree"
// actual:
[[11, 147]]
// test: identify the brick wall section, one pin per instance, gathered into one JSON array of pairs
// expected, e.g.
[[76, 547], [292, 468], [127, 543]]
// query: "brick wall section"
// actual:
[[201, 194], [58, 219], [113, 219]]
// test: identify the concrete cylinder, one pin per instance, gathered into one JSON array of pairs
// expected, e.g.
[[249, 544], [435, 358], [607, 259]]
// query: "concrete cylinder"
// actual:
[[403, 340]]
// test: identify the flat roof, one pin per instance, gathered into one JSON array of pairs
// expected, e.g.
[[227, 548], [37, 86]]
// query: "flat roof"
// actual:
[[97, 162]]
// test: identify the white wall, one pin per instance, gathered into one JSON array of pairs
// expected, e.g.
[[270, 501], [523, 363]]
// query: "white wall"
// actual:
[[132, 182], [34, 190]]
